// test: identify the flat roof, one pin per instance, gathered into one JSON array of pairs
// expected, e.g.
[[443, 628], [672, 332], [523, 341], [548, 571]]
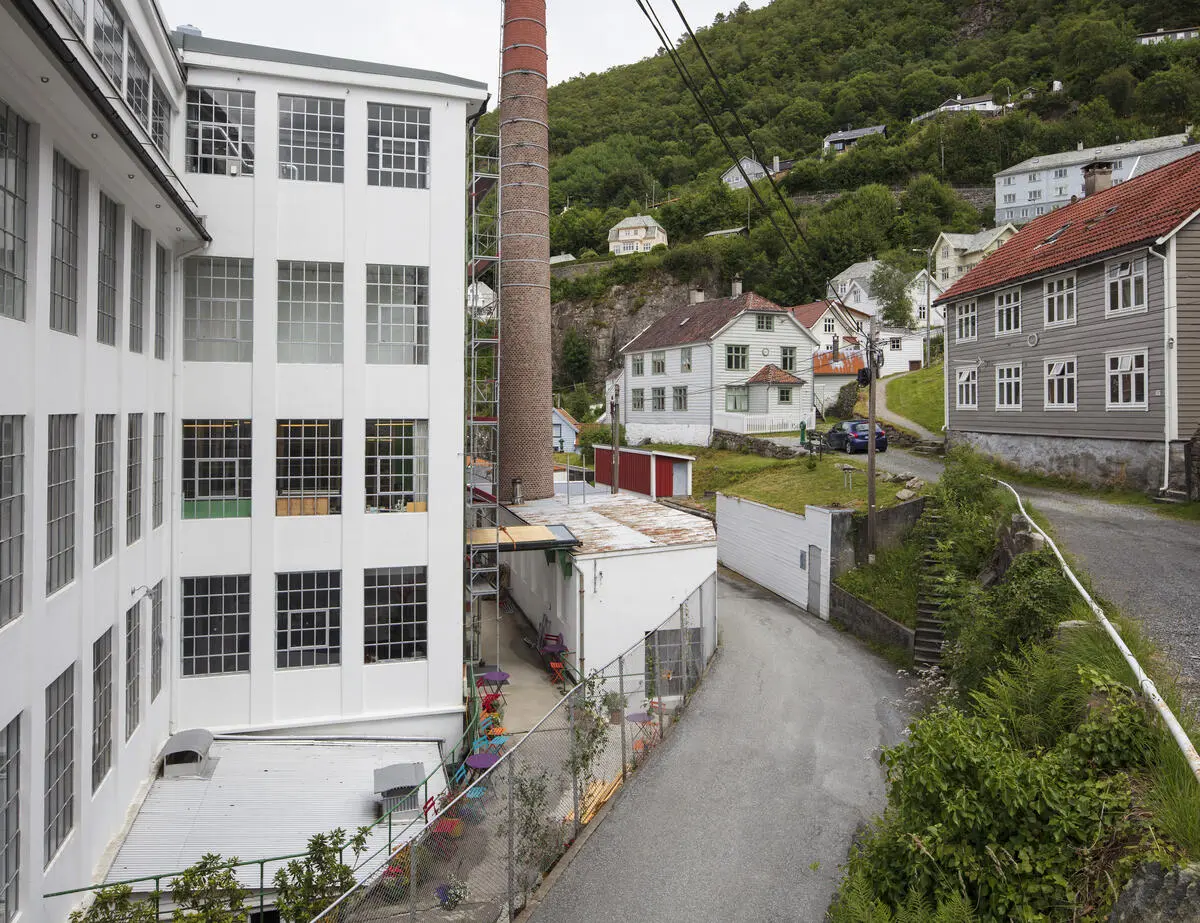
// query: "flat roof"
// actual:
[[524, 538], [619, 522], [187, 41], [264, 797]]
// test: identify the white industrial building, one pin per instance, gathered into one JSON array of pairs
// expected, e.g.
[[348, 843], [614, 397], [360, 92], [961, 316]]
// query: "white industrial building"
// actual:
[[231, 334]]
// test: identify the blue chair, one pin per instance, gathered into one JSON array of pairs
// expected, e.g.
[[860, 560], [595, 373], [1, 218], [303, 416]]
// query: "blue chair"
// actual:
[[480, 745], [459, 777], [496, 744]]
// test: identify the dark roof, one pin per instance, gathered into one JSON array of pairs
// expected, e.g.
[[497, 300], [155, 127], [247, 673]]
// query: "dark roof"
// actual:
[[771, 374], [1133, 213], [695, 323], [852, 134], [809, 314]]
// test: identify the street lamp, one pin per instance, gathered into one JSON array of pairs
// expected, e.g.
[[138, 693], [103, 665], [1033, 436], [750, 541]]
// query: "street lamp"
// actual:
[[928, 301]]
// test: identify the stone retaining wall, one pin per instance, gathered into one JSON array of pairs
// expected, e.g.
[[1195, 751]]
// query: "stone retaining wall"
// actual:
[[865, 621]]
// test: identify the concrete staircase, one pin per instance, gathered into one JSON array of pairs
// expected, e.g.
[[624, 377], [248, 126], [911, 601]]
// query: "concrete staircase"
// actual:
[[1171, 496], [930, 447], [930, 635]]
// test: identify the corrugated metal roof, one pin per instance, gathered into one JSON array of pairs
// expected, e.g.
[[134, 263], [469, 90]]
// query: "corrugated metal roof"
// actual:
[[620, 522], [852, 133], [265, 797], [1089, 154]]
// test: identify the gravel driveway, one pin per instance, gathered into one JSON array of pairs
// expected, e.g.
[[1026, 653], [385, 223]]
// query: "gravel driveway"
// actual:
[[774, 768]]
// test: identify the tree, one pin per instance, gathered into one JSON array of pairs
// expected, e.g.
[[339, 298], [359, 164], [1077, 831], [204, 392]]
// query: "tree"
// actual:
[[889, 285], [209, 892], [115, 905], [307, 886], [576, 356], [1169, 97]]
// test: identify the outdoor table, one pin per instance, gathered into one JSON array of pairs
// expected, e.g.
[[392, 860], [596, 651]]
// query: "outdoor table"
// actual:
[[482, 761], [495, 679], [645, 728], [555, 648]]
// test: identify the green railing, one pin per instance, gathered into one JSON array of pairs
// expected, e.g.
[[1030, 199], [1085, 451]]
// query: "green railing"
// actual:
[[395, 833]]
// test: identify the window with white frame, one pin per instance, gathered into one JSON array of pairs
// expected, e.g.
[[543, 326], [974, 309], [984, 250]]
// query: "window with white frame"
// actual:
[[737, 358], [138, 246], [679, 398], [157, 640], [1008, 387], [1008, 312], [396, 623], [1126, 286], [12, 518], [137, 83], [895, 344], [308, 467], [966, 322], [764, 322], [785, 395], [685, 359], [60, 502], [133, 480], [220, 131], [157, 449], [1060, 301], [76, 12], [59, 804], [1060, 173], [967, 388], [108, 39], [161, 113], [1060, 192], [1035, 195], [312, 139], [310, 312], [737, 398], [1034, 177], [830, 325], [162, 268], [216, 469], [787, 358], [102, 728], [1009, 198], [308, 619], [1126, 374], [10, 820], [102, 504], [106, 272], [133, 668], [218, 309], [638, 364], [397, 315], [215, 628], [658, 398], [1008, 181], [658, 363], [1060, 383], [397, 456], [397, 146], [14, 233]]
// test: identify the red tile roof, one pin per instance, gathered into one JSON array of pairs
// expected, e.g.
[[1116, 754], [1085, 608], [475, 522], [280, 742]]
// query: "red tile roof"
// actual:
[[566, 416], [695, 323], [809, 314], [773, 375], [1132, 213], [846, 363]]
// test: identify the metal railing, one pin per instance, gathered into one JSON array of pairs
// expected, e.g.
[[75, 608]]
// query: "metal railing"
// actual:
[[499, 832]]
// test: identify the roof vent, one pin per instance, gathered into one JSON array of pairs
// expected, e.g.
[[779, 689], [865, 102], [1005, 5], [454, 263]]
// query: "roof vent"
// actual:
[[684, 321], [399, 787], [186, 754]]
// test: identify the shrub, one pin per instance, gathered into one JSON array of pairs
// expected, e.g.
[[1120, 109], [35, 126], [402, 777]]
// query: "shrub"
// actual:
[[846, 399], [591, 436], [115, 904], [308, 885]]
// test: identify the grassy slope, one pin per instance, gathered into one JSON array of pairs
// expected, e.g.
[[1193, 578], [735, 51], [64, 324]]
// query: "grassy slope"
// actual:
[[919, 397]]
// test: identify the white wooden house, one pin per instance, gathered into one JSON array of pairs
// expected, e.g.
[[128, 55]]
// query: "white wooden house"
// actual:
[[742, 364], [564, 430]]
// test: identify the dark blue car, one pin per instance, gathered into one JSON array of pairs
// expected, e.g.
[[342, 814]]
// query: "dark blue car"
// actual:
[[851, 437]]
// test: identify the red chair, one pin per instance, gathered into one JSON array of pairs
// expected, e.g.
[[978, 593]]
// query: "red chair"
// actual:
[[490, 700], [557, 667]]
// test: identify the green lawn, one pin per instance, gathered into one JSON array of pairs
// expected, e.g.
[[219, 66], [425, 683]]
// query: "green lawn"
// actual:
[[919, 397], [568, 458], [890, 584]]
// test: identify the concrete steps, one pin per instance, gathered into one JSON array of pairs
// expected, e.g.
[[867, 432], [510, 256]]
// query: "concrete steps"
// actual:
[[930, 637], [1171, 496]]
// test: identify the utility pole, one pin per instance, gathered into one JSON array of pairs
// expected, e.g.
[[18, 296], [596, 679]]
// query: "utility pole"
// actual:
[[874, 373], [614, 422]]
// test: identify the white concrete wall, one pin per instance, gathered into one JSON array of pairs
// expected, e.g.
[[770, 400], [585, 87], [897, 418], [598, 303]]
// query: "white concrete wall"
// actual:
[[668, 433]]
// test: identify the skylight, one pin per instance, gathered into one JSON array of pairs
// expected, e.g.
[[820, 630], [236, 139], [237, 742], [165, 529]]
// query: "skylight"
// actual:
[[1057, 234]]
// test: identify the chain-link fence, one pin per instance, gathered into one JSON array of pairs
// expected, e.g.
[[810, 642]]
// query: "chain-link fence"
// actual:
[[511, 814]]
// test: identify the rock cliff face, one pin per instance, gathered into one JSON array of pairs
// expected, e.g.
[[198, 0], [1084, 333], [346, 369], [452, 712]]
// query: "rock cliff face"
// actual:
[[1159, 895]]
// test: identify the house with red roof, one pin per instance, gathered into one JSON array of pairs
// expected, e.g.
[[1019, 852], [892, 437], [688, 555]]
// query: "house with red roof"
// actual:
[[741, 364], [1074, 349], [564, 430]]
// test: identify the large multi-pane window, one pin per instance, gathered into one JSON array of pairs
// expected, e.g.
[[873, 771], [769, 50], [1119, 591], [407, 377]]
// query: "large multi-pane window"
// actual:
[[1126, 375], [64, 247], [60, 502], [10, 820], [638, 364], [137, 83], [160, 119], [216, 469], [156, 640], [1008, 387], [14, 197], [737, 358], [658, 362], [133, 669], [308, 619], [162, 269], [106, 272], [102, 729], [967, 388], [397, 456], [394, 604], [397, 315], [308, 467], [220, 131], [638, 399], [310, 311], [157, 450], [1060, 301], [1126, 286], [658, 398], [108, 39], [1060, 383], [967, 322], [679, 398], [76, 11], [218, 310], [12, 517], [1008, 312], [215, 628], [138, 247], [312, 136], [397, 146], [59, 807], [133, 480], [102, 504]]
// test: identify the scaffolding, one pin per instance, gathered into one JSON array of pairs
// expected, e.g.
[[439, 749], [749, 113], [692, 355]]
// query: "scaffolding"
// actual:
[[482, 439]]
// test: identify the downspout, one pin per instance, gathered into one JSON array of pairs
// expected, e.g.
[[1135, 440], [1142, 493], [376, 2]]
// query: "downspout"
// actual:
[[582, 660], [1168, 363], [712, 394], [947, 368]]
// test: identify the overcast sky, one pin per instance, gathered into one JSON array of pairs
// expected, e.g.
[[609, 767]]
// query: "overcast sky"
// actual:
[[460, 37]]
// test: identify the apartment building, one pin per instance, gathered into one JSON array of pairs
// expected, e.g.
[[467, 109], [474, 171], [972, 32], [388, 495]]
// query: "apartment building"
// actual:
[[231, 324]]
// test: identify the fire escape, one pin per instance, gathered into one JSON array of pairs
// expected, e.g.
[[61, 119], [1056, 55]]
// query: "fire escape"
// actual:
[[482, 450]]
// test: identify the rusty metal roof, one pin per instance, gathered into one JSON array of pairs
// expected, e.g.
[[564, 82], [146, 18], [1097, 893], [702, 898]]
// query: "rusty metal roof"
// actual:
[[619, 522]]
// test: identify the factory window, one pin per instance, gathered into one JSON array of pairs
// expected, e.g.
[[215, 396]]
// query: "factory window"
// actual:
[[12, 517], [14, 174], [133, 668], [639, 364], [138, 240], [639, 399], [658, 363], [397, 315], [137, 83], [216, 469], [76, 11], [685, 359], [787, 358], [157, 449], [312, 139], [737, 358], [394, 603], [679, 398], [215, 628], [10, 820], [108, 39], [308, 619], [160, 119], [658, 398], [218, 310], [102, 729], [162, 270], [102, 505], [737, 398], [156, 640], [60, 502], [106, 273], [308, 467], [133, 480], [310, 312], [397, 146], [397, 455], [220, 131], [59, 806]]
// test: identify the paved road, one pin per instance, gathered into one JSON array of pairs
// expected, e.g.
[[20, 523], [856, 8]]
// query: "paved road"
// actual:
[[774, 768]]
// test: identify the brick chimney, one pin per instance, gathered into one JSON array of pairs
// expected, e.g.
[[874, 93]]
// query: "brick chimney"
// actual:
[[735, 287], [1097, 177]]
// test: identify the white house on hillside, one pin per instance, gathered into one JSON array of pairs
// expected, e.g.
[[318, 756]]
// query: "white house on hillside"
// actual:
[[742, 364], [903, 348], [984, 105], [841, 141], [829, 321], [955, 255], [639, 234], [733, 176]]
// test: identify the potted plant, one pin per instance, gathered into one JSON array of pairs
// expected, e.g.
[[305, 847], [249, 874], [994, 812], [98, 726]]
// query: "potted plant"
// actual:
[[451, 894], [614, 703]]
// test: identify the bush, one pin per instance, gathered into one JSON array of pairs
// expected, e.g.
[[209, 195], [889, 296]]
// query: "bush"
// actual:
[[846, 399], [590, 436]]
